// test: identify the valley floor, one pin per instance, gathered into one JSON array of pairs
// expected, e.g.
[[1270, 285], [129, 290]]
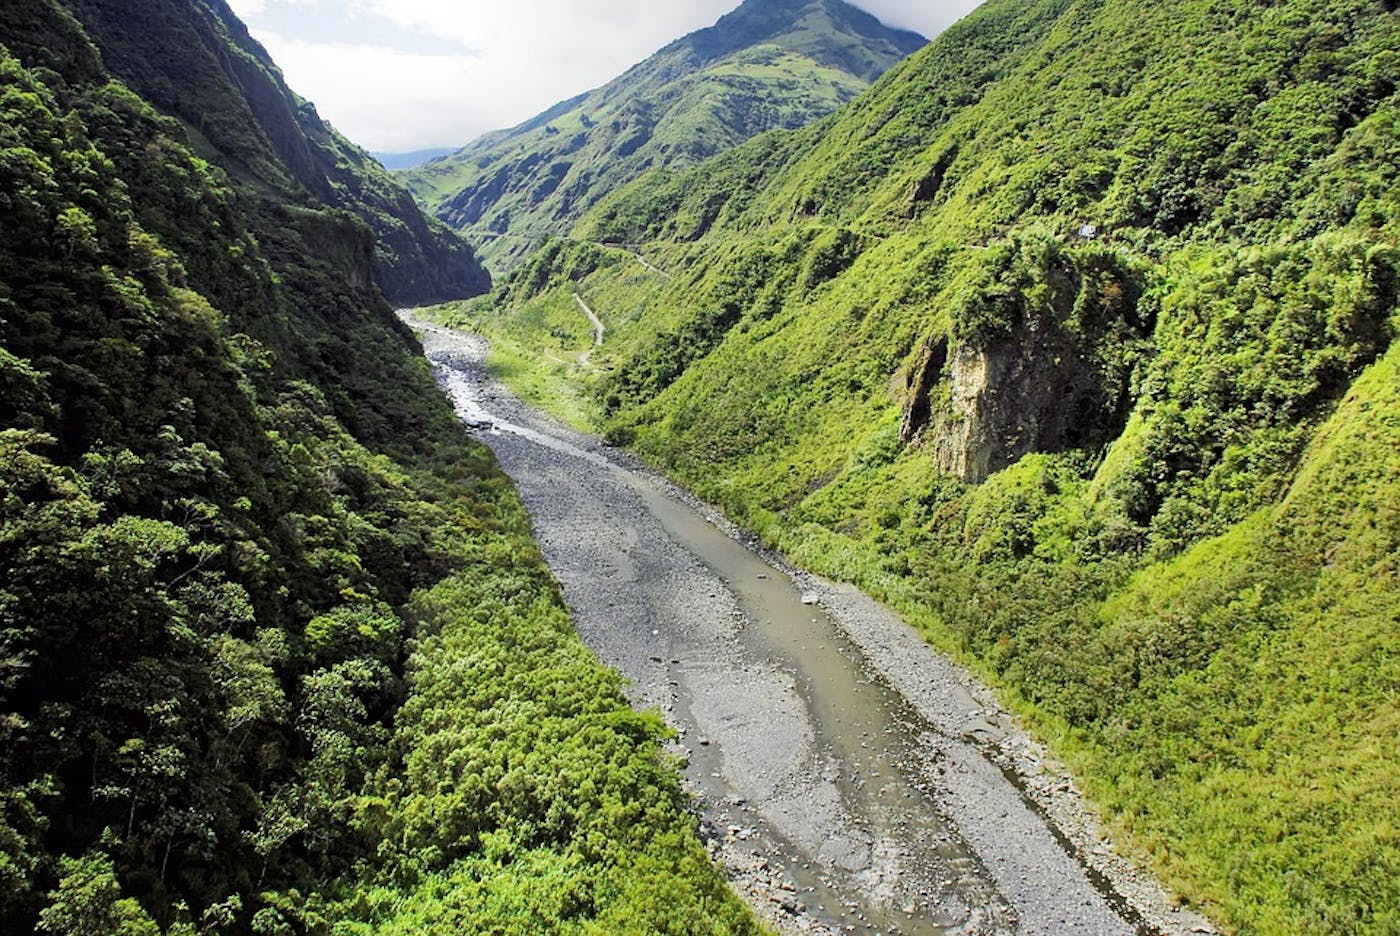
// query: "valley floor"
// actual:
[[850, 777]]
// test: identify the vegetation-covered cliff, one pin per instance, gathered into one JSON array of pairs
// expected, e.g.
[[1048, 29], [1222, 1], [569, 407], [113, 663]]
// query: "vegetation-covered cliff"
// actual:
[[277, 652], [197, 63], [767, 64], [1074, 339]]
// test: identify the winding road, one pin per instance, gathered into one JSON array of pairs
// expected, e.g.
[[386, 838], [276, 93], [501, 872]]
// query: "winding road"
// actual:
[[850, 778]]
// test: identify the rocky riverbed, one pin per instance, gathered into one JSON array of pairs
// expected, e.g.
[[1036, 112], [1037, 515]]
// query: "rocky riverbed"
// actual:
[[849, 777]]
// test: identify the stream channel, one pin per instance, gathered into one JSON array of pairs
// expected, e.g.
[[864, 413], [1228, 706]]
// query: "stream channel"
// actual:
[[841, 766]]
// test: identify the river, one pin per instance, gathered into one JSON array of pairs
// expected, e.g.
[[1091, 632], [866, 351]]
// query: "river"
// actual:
[[850, 778]]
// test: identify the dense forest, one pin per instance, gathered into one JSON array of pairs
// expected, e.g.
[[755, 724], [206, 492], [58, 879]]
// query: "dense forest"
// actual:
[[277, 651], [1074, 339]]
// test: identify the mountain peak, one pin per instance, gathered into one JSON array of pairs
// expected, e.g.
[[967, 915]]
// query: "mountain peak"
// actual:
[[808, 27], [768, 64]]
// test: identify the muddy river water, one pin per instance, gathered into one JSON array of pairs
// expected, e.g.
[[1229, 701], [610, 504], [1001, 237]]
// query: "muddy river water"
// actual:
[[842, 767]]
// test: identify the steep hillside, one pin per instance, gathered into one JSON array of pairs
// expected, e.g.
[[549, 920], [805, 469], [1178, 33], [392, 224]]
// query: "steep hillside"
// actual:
[[253, 575], [196, 62], [1073, 339], [768, 64]]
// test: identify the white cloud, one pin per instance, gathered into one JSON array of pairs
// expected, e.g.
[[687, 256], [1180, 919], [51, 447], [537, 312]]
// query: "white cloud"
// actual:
[[404, 74], [387, 99], [929, 18]]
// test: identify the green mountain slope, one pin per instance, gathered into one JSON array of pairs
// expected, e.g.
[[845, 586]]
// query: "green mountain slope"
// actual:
[[253, 575], [1073, 338], [196, 62], [768, 64]]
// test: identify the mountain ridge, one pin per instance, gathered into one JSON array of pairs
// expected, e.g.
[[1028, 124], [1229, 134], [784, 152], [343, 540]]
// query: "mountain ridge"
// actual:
[[199, 63], [769, 63], [410, 159]]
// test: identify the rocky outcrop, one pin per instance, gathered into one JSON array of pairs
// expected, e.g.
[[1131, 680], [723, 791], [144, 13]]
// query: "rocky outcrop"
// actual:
[[977, 411], [927, 188], [1038, 356], [927, 372]]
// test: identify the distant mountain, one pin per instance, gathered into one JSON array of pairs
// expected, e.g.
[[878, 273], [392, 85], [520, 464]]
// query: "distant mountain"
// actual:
[[197, 62], [411, 160], [769, 64]]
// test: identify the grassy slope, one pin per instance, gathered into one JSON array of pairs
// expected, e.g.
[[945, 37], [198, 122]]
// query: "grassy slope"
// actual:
[[1272, 762], [529, 797], [773, 63], [1194, 599]]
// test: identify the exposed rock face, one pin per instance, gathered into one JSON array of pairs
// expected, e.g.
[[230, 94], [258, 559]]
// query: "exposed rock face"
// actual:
[[978, 411], [195, 61], [927, 188], [918, 397]]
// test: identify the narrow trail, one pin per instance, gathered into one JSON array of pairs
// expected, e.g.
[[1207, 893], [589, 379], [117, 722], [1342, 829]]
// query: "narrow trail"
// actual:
[[851, 779], [636, 255], [598, 329], [586, 358]]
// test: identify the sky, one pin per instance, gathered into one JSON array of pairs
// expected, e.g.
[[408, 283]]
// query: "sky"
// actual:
[[402, 75]]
